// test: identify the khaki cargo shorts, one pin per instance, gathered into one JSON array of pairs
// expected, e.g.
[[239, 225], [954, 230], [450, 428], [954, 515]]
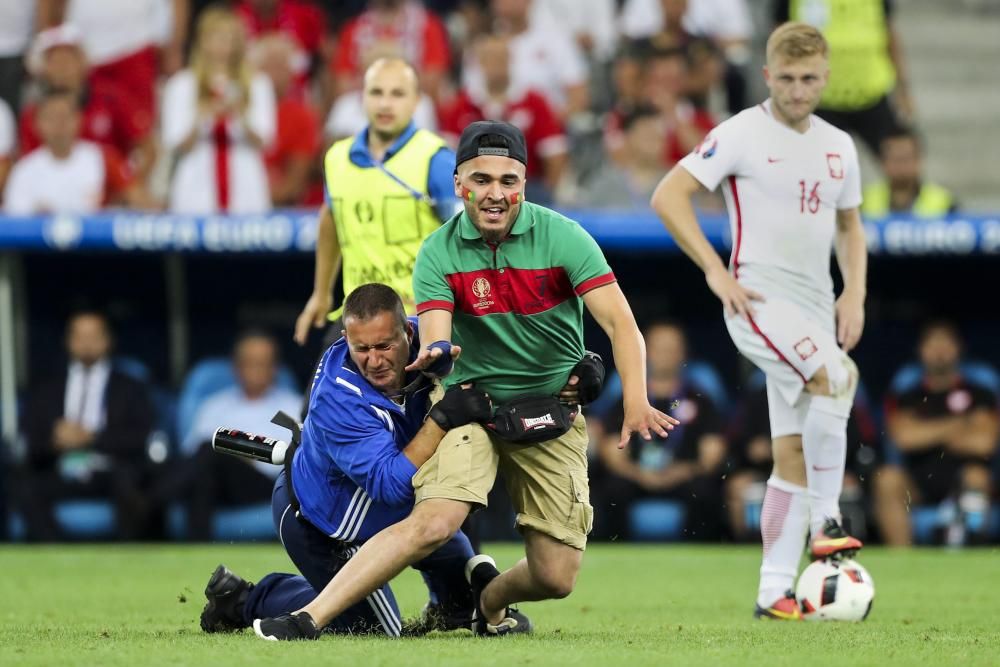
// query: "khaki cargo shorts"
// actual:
[[547, 482]]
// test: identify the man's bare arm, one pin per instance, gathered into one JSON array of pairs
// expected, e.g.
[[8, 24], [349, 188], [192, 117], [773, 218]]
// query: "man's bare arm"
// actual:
[[424, 443], [977, 435], [328, 260], [852, 258], [435, 325], [911, 433], [608, 306], [672, 202]]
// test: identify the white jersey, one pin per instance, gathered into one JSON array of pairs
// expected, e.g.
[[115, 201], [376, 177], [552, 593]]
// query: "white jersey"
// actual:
[[41, 183], [783, 190]]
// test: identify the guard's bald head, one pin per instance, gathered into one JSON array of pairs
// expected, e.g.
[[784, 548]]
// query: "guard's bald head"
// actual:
[[392, 68], [391, 93]]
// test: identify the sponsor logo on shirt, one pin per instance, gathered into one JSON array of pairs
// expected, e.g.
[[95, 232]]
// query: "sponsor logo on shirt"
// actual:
[[530, 423]]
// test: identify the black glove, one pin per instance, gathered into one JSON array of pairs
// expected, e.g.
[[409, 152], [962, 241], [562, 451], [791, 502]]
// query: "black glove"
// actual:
[[590, 371], [461, 406]]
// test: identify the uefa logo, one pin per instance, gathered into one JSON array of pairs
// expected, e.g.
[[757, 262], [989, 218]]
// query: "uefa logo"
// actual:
[[481, 287]]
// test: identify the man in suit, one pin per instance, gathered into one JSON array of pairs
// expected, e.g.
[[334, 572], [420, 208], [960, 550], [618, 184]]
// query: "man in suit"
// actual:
[[86, 432]]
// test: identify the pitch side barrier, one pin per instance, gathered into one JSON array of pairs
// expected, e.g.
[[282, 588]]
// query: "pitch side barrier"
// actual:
[[293, 231]]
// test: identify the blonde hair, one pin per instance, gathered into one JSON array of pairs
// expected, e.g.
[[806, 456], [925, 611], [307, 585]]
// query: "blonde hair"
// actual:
[[214, 19], [796, 40]]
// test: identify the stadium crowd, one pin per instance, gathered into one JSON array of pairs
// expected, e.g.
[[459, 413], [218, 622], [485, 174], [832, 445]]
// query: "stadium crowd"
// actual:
[[199, 108]]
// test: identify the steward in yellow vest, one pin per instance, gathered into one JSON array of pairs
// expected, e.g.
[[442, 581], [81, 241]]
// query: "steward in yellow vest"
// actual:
[[904, 189], [387, 188], [866, 64]]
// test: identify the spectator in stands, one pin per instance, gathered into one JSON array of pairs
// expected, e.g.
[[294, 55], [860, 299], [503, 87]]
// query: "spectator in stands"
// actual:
[[904, 190], [591, 22], [204, 480], [293, 159], [659, 21], [663, 85], [750, 461], [687, 466], [499, 99], [67, 174], [544, 57], [626, 78], [86, 432], [705, 68], [127, 42], [8, 143], [945, 429], [218, 118], [629, 183], [407, 29], [58, 63], [726, 24], [17, 25], [302, 22], [868, 92], [348, 117]]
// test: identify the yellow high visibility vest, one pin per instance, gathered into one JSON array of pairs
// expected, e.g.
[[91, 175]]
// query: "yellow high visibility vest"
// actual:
[[861, 72], [933, 201], [380, 222]]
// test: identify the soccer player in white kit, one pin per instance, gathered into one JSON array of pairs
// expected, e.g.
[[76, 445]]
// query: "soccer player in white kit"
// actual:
[[792, 187]]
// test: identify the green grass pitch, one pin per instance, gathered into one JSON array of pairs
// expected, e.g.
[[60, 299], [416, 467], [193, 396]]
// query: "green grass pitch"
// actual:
[[634, 605]]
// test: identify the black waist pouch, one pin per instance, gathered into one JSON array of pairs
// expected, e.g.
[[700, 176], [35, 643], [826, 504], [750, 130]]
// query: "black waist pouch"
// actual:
[[532, 419]]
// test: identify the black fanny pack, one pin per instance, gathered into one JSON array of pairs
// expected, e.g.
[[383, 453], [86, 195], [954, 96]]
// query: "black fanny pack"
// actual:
[[532, 419]]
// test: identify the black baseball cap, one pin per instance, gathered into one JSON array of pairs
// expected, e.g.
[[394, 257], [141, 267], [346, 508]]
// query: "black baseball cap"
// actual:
[[511, 142]]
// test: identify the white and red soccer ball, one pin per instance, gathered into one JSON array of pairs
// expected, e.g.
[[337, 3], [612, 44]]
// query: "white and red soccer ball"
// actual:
[[835, 591]]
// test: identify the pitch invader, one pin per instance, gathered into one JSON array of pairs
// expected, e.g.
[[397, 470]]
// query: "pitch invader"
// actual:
[[792, 186]]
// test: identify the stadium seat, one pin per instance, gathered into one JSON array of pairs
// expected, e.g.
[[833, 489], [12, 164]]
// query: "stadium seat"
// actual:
[[247, 523], [698, 373], [656, 520], [207, 377]]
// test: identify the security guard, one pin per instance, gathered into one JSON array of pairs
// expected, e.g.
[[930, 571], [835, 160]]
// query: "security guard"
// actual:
[[904, 189], [866, 64], [387, 188]]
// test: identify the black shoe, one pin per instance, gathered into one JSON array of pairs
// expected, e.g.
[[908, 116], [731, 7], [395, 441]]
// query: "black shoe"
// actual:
[[480, 571], [287, 627], [227, 593]]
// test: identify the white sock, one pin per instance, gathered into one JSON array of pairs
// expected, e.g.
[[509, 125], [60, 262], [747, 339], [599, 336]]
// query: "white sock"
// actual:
[[784, 522], [824, 446]]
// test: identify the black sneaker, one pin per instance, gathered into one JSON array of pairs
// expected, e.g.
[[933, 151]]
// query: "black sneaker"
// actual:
[[480, 571], [227, 593], [287, 627]]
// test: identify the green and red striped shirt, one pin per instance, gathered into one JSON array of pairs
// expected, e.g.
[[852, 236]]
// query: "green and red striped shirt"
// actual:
[[517, 309]]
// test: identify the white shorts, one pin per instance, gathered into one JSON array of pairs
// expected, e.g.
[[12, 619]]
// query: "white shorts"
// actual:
[[789, 346]]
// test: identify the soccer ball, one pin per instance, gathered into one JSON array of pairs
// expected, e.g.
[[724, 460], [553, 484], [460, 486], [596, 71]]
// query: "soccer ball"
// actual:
[[835, 591]]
